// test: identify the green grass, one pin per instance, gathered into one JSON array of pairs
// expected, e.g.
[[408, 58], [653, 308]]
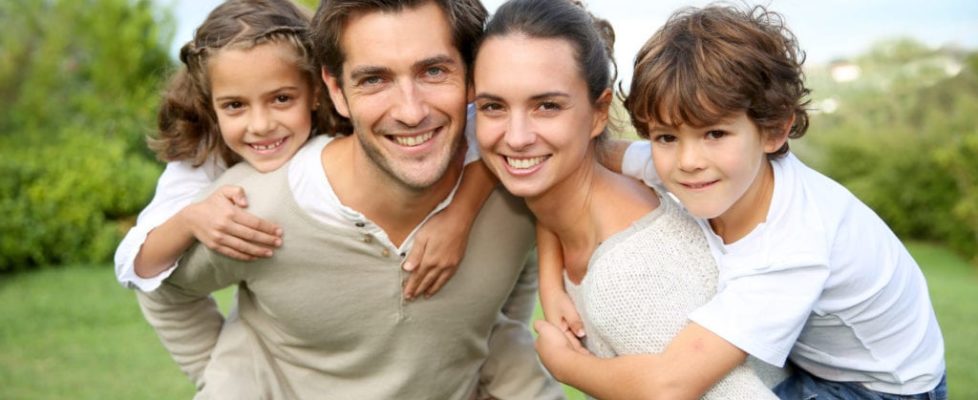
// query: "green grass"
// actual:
[[73, 333]]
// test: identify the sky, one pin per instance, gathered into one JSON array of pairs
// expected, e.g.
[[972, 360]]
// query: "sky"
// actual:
[[826, 29]]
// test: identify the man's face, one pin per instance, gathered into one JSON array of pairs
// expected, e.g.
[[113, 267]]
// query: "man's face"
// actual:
[[404, 89]]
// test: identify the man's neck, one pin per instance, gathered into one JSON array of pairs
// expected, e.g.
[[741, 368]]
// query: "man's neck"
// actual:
[[362, 186]]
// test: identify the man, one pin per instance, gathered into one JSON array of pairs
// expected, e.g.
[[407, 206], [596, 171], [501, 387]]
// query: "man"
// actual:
[[325, 318]]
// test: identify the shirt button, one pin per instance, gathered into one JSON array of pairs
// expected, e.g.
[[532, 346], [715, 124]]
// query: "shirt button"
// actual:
[[386, 253], [360, 224], [367, 238]]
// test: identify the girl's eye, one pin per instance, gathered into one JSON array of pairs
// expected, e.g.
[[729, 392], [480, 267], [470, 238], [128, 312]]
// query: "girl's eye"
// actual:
[[232, 105], [282, 98], [715, 134]]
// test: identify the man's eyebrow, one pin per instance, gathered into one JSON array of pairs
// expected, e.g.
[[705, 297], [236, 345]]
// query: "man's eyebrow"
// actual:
[[439, 59], [368, 70]]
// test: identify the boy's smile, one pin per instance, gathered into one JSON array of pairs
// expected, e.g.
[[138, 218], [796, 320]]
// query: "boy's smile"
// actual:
[[719, 172]]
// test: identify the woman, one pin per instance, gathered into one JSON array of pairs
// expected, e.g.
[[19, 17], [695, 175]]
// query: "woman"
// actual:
[[635, 264]]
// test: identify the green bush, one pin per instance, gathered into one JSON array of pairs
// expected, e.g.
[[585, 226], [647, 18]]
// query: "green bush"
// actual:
[[905, 140], [80, 82], [63, 201]]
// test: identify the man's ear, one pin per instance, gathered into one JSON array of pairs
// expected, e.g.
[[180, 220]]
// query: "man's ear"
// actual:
[[335, 93], [602, 109], [774, 140]]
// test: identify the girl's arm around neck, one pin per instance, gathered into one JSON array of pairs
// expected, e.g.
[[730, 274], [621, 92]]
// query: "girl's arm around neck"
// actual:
[[220, 222]]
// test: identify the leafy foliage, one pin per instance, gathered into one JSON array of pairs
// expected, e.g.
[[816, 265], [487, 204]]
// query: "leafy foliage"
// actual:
[[903, 137], [79, 83]]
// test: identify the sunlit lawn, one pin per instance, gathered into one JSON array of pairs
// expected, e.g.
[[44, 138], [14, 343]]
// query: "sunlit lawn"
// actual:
[[73, 333]]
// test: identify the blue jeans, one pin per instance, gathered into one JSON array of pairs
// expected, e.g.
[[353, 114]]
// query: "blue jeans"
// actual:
[[802, 385]]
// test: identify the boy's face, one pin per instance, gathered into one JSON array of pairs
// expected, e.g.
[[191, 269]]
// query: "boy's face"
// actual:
[[404, 89], [718, 171], [263, 103]]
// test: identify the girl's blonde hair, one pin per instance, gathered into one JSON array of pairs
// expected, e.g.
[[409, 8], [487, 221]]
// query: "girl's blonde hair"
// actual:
[[187, 123]]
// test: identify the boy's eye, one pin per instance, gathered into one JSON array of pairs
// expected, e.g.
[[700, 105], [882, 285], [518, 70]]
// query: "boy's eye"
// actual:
[[715, 134], [664, 138]]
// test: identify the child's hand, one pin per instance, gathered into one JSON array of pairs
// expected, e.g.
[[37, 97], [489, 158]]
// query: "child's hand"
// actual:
[[438, 249], [552, 343], [221, 223], [559, 310]]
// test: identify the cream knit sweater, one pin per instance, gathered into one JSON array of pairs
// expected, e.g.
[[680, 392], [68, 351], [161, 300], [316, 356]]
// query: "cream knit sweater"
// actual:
[[641, 284]]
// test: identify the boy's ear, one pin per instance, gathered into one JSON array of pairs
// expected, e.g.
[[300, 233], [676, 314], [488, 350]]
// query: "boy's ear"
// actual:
[[335, 93], [774, 141], [603, 108]]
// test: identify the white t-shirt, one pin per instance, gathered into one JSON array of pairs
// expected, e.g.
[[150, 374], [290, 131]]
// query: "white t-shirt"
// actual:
[[824, 282], [181, 184]]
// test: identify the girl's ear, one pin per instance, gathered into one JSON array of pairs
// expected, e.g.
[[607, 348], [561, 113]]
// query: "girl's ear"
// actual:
[[602, 109], [335, 93], [774, 140]]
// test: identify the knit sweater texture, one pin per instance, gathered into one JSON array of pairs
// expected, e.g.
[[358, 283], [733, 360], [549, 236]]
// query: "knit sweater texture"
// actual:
[[641, 284]]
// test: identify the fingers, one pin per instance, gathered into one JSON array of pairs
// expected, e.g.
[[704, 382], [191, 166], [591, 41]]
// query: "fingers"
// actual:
[[416, 255], [255, 230], [235, 194], [575, 343], [442, 280], [235, 245], [413, 281], [232, 253], [575, 326], [430, 276]]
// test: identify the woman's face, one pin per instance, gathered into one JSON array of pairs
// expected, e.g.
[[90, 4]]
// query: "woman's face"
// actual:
[[534, 120]]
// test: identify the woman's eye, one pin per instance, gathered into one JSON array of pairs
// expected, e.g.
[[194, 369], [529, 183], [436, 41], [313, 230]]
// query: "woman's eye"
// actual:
[[490, 107], [549, 106]]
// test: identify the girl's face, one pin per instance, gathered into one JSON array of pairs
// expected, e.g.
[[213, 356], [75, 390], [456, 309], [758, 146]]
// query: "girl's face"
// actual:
[[534, 120], [718, 171], [263, 102]]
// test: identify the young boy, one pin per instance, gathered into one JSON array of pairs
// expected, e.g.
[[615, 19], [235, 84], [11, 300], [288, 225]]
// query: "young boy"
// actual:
[[807, 271]]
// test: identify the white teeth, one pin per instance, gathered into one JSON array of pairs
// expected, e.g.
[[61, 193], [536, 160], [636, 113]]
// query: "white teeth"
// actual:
[[524, 163], [260, 147], [412, 141]]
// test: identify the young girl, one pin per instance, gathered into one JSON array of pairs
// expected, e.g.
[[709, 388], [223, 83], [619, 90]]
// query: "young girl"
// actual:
[[539, 130], [807, 271], [250, 92]]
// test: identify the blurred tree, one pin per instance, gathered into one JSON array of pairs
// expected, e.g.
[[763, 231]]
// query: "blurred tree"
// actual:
[[898, 136], [79, 82]]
